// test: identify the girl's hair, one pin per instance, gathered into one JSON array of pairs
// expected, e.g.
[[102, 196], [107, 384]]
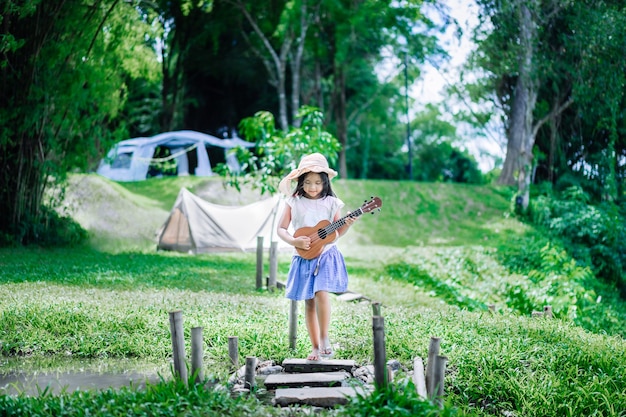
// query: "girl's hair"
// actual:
[[327, 190]]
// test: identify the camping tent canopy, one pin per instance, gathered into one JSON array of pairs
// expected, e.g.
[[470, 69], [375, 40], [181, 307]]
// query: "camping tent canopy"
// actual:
[[197, 226], [132, 159]]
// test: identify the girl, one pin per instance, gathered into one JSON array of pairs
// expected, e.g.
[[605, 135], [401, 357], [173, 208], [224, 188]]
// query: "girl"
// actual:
[[312, 201]]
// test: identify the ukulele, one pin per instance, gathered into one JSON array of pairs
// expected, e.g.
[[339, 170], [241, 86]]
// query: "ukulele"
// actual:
[[326, 232]]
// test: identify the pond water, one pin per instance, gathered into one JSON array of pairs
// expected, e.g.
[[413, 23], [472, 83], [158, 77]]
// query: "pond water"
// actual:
[[33, 376]]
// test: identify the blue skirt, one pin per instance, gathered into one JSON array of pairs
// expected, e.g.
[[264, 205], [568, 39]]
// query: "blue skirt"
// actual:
[[332, 275]]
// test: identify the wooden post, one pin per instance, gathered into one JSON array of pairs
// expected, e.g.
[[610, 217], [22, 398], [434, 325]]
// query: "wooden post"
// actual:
[[197, 354], [178, 344], [380, 367], [259, 262], [433, 351], [250, 372], [273, 265], [233, 351], [547, 312], [293, 324], [376, 308], [418, 377], [439, 376], [492, 308]]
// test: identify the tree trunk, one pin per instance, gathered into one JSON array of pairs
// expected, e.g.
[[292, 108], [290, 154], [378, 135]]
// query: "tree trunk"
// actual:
[[276, 63], [296, 64], [521, 138], [340, 117]]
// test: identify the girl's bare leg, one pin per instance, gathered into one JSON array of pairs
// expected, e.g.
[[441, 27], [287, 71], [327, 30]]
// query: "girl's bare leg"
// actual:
[[322, 303], [313, 328]]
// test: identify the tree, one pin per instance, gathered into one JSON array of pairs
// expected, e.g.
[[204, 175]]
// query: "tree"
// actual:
[[586, 143], [62, 70], [278, 152], [539, 55], [179, 27], [279, 44], [348, 43], [511, 53]]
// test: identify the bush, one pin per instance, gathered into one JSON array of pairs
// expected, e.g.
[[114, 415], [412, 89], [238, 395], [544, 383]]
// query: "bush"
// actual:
[[558, 282], [595, 234], [50, 229]]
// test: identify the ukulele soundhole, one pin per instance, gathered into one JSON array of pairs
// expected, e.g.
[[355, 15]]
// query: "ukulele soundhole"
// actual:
[[322, 234]]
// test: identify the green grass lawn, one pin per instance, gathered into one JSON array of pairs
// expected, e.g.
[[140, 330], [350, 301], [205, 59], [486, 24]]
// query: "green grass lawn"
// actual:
[[435, 257]]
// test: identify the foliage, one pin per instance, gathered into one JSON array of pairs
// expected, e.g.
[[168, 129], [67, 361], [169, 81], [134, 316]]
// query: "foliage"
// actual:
[[396, 399], [595, 233], [576, 124], [63, 78], [168, 398], [436, 156], [444, 288], [543, 276], [277, 152], [557, 282], [441, 161]]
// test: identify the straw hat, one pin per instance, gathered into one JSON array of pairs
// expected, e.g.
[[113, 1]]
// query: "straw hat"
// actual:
[[315, 162]]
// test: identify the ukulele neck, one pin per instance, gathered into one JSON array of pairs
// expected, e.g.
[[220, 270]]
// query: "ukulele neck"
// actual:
[[336, 225]]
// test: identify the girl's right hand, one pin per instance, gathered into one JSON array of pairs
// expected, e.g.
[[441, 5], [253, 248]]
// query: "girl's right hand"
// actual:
[[302, 242]]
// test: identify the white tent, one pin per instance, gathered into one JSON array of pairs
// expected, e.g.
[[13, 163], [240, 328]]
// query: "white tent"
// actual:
[[197, 226], [190, 151]]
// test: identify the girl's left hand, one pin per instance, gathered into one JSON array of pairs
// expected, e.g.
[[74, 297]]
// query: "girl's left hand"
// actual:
[[350, 220]]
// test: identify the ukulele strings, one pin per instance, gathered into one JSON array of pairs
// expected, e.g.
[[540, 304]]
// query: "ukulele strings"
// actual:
[[334, 226]]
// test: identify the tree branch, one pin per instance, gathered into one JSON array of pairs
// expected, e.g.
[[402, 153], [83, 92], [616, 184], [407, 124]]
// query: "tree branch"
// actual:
[[555, 112]]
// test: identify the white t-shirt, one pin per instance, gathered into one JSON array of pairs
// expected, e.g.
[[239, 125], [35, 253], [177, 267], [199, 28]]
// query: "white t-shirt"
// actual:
[[306, 212]]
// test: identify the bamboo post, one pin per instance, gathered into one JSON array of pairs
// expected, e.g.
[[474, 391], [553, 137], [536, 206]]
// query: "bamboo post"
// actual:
[[250, 372], [547, 312], [439, 376], [197, 354], [376, 308], [433, 351], [293, 324], [273, 265], [380, 367], [259, 262], [418, 377], [178, 344], [233, 351]]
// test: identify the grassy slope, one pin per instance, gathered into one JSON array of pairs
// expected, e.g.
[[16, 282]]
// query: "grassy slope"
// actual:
[[114, 301]]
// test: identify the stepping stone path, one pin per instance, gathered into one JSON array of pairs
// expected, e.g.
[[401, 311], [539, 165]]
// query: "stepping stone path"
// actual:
[[324, 383]]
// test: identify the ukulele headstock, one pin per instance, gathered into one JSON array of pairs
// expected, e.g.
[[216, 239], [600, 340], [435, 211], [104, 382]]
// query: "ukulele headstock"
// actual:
[[375, 203]]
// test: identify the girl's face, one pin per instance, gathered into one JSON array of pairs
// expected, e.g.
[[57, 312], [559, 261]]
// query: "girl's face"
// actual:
[[312, 185]]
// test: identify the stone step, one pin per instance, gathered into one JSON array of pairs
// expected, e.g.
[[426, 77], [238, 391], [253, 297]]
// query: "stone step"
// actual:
[[317, 397], [310, 379], [326, 365]]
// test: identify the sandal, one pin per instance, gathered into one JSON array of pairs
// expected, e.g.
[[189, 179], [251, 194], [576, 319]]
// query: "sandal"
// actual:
[[327, 352]]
